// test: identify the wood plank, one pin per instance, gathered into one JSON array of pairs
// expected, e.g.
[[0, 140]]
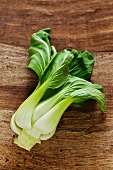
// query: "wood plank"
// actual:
[[16, 81], [14, 61], [84, 137], [77, 24]]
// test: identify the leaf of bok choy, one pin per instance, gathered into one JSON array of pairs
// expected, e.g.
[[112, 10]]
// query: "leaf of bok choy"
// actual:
[[41, 52], [90, 93], [82, 64], [58, 69]]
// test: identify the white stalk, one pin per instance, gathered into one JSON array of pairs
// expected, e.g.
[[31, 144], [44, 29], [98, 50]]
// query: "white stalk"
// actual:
[[46, 105], [47, 123], [24, 113], [14, 127]]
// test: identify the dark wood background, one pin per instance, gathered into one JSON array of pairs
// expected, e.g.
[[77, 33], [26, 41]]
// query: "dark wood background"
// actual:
[[84, 137]]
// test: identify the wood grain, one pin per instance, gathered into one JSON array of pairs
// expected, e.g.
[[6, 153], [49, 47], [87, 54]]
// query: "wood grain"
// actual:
[[84, 137], [78, 24]]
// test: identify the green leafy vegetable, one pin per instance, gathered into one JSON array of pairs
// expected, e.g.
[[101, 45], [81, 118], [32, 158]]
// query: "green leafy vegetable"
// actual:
[[62, 82]]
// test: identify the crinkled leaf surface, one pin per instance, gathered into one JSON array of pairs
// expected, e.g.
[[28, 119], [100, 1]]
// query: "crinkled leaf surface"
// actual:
[[41, 52], [82, 64]]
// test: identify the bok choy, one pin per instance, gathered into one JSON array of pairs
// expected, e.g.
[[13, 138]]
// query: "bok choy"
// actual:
[[62, 82]]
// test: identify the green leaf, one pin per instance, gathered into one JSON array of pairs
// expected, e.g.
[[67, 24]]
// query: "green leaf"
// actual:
[[82, 64], [74, 83], [40, 42], [90, 93], [58, 69], [40, 51]]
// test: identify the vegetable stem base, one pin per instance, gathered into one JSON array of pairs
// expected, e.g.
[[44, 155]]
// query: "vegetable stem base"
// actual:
[[26, 141]]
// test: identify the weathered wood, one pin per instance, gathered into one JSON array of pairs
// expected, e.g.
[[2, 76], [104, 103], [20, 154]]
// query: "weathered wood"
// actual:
[[78, 24], [84, 137]]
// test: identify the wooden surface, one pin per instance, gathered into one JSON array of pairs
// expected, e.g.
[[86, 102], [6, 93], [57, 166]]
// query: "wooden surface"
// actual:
[[84, 137]]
